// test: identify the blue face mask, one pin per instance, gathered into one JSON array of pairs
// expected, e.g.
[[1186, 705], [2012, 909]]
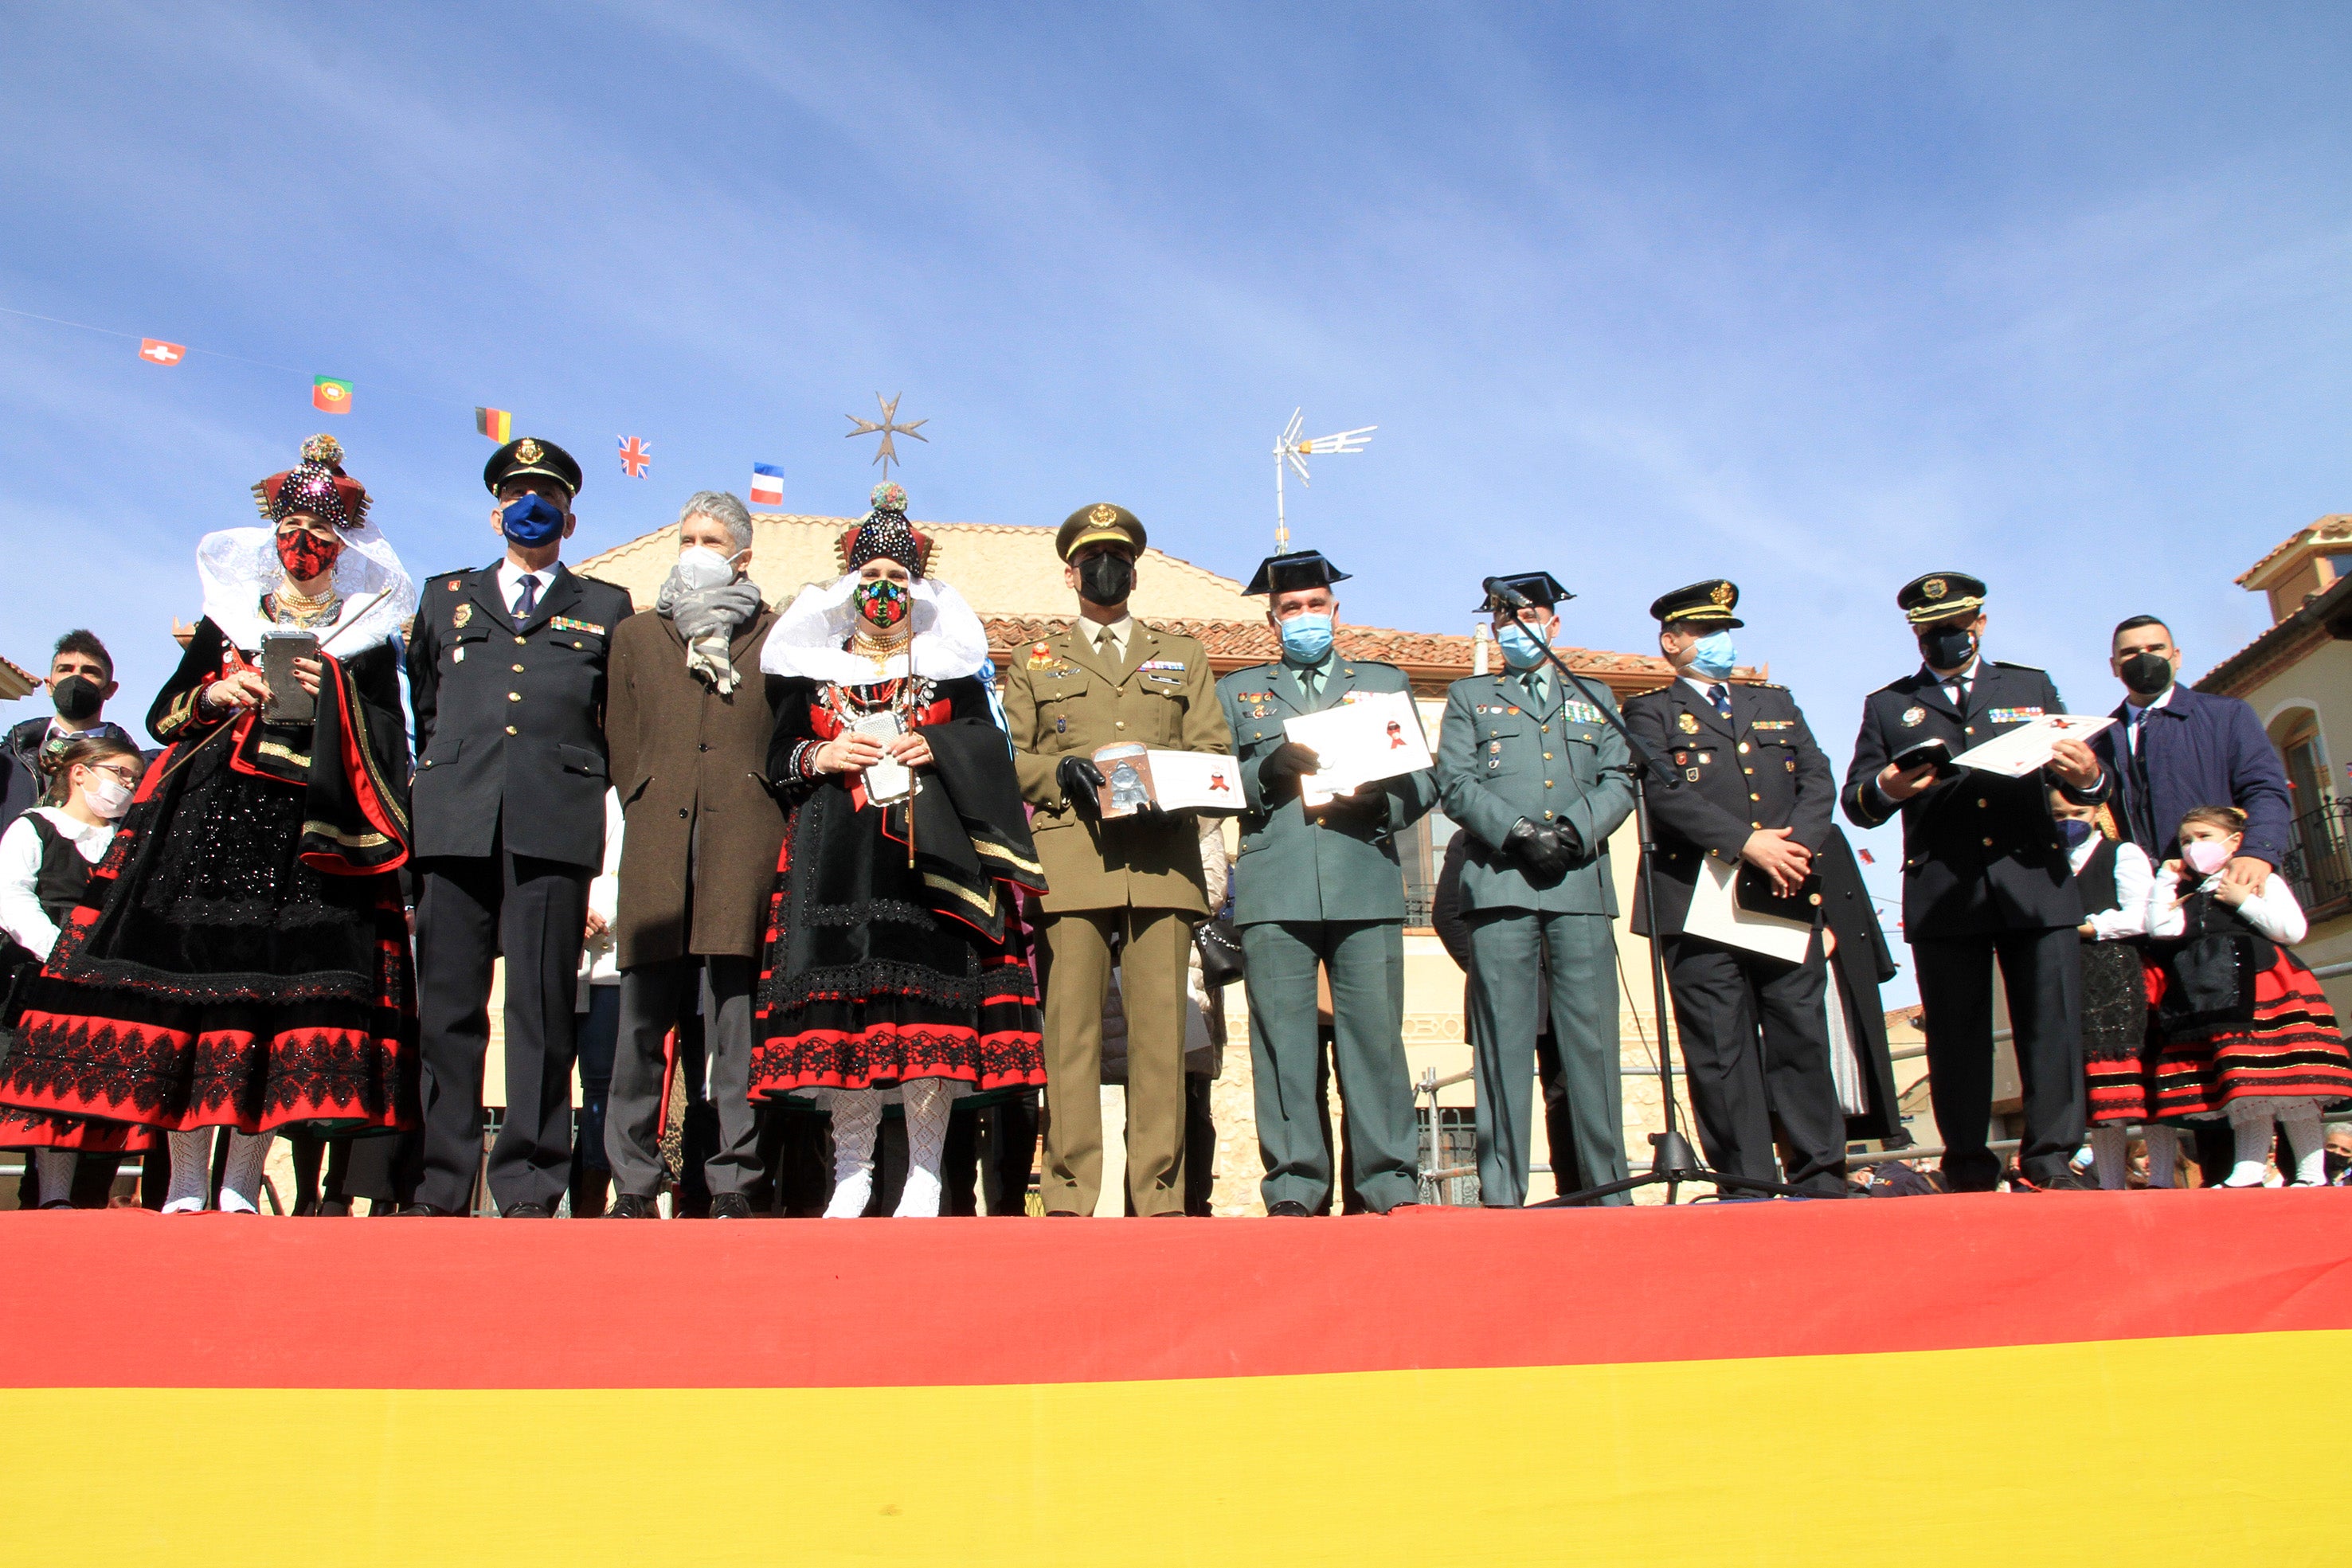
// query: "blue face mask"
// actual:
[[1713, 655], [2075, 831], [532, 521], [1522, 649], [1306, 638]]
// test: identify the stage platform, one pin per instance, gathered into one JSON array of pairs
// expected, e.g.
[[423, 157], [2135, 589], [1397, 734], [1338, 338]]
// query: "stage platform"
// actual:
[[2066, 1378]]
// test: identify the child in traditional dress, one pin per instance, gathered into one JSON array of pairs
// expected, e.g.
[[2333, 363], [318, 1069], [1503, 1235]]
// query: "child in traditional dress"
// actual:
[[2243, 1029], [2114, 879]]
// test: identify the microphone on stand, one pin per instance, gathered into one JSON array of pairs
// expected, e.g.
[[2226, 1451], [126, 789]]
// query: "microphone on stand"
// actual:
[[1503, 593]]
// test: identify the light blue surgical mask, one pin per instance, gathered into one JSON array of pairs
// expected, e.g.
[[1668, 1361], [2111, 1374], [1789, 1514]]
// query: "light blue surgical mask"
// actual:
[[1713, 655], [1522, 649], [1306, 638]]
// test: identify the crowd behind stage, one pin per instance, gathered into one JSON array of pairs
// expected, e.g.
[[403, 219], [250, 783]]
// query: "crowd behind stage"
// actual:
[[892, 915]]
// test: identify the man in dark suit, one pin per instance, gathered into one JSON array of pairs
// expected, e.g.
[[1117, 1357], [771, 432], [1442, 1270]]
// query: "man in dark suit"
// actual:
[[505, 671], [2173, 747], [1757, 798], [1984, 872]]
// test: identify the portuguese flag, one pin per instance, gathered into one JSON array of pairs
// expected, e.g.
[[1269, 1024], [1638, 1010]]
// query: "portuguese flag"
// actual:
[[328, 395], [495, 423], [1925, 1382]]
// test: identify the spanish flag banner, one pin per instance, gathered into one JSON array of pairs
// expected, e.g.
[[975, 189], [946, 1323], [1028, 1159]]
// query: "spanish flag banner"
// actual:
[[495, 423], [1943, 1380]]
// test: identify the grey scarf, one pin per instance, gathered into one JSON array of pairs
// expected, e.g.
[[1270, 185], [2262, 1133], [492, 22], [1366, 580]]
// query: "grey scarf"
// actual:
[[706, 617]]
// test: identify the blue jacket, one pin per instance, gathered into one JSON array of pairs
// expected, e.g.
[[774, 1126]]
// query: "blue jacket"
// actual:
[[2197, 749]]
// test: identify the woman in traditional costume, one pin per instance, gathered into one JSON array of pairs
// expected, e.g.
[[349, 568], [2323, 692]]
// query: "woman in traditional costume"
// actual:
[[45, 858], [894, 963], [241, 957]]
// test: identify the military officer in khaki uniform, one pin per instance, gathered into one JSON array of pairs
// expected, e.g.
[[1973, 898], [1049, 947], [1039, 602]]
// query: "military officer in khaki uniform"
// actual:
[[1136, 879]]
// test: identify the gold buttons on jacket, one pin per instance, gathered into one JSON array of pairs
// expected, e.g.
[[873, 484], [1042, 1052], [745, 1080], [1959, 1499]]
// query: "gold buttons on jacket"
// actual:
[[510, 729], [1987, 843], [1547, 783], [1118, 723], [514, 696], [522, 639], [518, 669], [1743, 749], [1547, 756], [1983, 802], [1968, 729], [1747, 771]]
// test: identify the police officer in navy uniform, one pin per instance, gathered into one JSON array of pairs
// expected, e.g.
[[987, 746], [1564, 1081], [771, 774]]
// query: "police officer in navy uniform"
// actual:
[[506, 671], [1984, 874], [1757, 795]]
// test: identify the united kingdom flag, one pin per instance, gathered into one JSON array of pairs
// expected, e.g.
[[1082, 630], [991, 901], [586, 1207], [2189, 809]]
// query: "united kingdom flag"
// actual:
[[635, 456]]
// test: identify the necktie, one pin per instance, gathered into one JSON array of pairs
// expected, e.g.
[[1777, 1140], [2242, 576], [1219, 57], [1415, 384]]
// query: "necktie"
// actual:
[[1107, 644], [528, 600], [1959, 690], [1720, 696], [1538, 685], [2132, 731], [1312, 679]]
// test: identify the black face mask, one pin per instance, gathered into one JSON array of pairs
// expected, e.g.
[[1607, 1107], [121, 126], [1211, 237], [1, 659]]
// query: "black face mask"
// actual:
[[78, 698], [1946, 647], [2335, 1164], [1105, 578], [2147, 673]]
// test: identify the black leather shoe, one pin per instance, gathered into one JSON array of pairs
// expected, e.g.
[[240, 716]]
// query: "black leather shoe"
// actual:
[[629, 1206], [527, 1211], [2064, 1181], [1287, 1208], [419, 1211], [731, 1205]]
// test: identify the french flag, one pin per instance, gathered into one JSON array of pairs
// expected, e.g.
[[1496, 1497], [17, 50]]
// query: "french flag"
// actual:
[[767, 484]]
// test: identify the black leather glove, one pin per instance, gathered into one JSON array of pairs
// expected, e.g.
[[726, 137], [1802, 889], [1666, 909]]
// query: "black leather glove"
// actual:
[[1279, 774], [1079, 779], [1572, 842], [1538, 849]]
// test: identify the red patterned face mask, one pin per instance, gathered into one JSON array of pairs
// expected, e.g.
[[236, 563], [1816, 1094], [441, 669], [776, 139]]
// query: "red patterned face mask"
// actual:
[[305, 555], [884, 603]]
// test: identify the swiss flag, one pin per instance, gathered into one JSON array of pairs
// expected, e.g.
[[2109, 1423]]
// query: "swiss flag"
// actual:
[[161, 353]]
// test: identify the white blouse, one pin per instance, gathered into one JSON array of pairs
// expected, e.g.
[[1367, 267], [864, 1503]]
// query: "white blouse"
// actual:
[[2273, 911], [2134, 877], [21, 915]]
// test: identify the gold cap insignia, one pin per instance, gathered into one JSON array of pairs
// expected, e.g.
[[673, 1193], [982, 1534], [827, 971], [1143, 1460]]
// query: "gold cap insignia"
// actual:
[[1935, 588], [1103, 513], [529, 451], [1722, 594]]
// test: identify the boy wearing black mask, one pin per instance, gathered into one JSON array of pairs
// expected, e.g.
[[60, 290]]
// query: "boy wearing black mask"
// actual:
[[80, 681], [2172, 748], [1984, 872]]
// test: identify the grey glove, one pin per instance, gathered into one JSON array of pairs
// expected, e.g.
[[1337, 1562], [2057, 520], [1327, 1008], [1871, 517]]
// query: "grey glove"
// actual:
[[1538, 849], [1079, 779]]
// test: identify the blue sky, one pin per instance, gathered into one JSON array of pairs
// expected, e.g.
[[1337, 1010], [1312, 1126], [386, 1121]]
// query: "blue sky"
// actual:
[[1817, 297]]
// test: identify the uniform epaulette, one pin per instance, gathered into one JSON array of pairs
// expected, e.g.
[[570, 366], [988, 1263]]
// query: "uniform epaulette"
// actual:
[[2005, 665], [599, 582], [1763, 687], [1653, 692], [453, 579]]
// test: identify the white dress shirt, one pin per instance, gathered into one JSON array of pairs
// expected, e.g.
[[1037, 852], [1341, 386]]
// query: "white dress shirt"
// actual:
[[21, 915], [510, 577], [1121, 630]]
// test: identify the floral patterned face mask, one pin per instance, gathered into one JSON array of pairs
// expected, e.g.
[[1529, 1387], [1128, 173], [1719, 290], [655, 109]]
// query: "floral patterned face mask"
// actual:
[[305, 555], [882, 602]]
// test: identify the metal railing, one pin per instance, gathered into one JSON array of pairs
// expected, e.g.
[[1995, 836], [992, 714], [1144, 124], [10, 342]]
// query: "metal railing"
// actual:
[[2319, 859]]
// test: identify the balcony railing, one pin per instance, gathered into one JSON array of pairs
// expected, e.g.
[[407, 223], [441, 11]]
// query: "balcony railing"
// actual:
[[2319, 861]]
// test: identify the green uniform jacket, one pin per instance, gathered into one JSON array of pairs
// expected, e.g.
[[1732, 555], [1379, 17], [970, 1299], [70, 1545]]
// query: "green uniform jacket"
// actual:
[[1060, 698], [1339, 861], [1499, 761]]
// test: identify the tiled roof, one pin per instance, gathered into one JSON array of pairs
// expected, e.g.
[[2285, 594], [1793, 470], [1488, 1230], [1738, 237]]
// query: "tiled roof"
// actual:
[[2335, 526], [1232, 645], [16, 680], [2281, 644]]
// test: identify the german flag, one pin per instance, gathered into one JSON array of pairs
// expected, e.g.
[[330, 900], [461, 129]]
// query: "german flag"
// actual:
[[1940, 1381], [495, 423]]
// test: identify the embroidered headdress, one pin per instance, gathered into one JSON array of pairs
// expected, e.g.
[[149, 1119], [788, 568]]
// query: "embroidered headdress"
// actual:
[[318, 486], [884, 532]]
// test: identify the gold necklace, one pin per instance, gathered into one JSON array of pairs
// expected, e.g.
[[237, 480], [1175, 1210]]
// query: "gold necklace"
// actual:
[[879, 651], [291, 605]]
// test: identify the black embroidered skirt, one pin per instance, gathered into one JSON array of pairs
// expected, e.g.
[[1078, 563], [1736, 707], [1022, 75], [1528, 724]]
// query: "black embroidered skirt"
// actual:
[[863, 985], [210, 977]]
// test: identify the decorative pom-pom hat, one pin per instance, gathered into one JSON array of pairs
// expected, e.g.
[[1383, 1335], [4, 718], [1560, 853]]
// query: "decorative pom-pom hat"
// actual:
[[884, 531], [318, 486]]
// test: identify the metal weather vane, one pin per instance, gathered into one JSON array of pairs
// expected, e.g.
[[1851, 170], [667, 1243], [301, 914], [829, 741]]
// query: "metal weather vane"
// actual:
[[888, 430], [1292, 453]]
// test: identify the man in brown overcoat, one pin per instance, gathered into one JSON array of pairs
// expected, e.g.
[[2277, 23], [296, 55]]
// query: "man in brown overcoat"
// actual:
[[688, 725], [1136, 879]]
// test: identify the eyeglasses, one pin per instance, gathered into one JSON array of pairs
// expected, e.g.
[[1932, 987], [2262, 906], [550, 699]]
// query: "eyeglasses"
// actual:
[[121, 775]]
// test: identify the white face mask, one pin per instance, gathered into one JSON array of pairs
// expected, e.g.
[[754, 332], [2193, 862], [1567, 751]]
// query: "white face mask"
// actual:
[[108, 795], [700, 567]]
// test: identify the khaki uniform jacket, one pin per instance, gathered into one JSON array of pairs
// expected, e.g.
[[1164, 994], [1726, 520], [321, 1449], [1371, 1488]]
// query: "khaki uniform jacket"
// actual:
[[691, 766], [1062, 698]]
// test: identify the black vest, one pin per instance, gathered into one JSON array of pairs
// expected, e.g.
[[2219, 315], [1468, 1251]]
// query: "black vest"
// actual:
[[2096, 881]]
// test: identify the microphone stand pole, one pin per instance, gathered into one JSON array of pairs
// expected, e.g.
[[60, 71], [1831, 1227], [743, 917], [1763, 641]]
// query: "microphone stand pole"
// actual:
[[1675, 1162]]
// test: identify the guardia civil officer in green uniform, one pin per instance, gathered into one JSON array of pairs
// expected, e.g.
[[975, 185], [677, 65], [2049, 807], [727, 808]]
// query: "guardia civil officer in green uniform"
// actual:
[[1526, 769], [1320, 887], [1756, 792], [1137, 881]]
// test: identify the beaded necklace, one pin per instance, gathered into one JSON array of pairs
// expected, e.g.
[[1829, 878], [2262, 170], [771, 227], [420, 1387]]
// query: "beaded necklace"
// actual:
[[287, 607]]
